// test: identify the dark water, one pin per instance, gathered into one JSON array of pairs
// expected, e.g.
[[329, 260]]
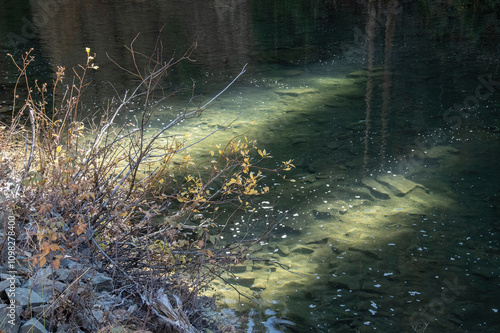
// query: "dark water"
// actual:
[[390, 111]]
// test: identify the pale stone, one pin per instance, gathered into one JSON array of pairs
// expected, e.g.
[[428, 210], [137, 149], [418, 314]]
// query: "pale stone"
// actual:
[[25, 296], [33, 326]]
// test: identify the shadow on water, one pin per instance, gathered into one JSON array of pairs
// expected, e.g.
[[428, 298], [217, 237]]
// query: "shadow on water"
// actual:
[[393, 215]]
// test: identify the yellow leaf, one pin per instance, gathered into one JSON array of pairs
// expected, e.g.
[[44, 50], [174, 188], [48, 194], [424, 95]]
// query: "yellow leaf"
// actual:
[[42, 261], [58, 149], [56, 263]]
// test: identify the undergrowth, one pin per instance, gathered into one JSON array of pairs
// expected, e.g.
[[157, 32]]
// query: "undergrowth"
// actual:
[[116, 195]]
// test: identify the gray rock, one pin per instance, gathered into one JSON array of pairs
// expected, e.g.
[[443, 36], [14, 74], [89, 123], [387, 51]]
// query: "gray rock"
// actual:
[[71, 264], [40, 311], [9, 283], [41, 275], [102, 282], [9, 277], [46, 288], [33, 326], [9, 319], [98, 314], [86, 320], [398, 184], [25, 296], [65, 275], [67, 328]]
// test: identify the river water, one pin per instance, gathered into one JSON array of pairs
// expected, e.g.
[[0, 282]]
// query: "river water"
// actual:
[[390, 111]]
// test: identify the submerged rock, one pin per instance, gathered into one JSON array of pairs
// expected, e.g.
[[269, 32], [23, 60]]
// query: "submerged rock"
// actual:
[[295, 92], [283, 250], [368, 253], [378, 190], [349, 282], [441, 152], [321, 215], [398, 184], [302, 249]]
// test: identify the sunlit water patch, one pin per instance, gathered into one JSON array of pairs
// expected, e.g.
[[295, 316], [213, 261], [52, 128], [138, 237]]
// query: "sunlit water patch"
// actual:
[[360, 246]]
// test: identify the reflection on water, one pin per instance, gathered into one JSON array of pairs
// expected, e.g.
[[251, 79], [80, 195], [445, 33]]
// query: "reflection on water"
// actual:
[[391, 224]]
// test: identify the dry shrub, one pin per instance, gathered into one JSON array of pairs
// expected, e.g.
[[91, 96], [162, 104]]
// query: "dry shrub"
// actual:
[[134, 202]]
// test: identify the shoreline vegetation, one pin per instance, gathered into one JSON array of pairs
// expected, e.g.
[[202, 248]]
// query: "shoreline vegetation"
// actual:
[[115, 229]]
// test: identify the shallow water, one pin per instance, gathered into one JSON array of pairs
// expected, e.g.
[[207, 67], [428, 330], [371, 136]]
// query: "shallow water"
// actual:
[[367, 242], [392, 222]]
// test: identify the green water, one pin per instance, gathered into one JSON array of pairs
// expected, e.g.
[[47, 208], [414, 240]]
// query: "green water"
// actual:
[[391, 223], [368, 242]]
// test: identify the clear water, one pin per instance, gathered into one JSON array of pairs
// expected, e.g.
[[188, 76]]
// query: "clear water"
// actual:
[[392, 222]]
